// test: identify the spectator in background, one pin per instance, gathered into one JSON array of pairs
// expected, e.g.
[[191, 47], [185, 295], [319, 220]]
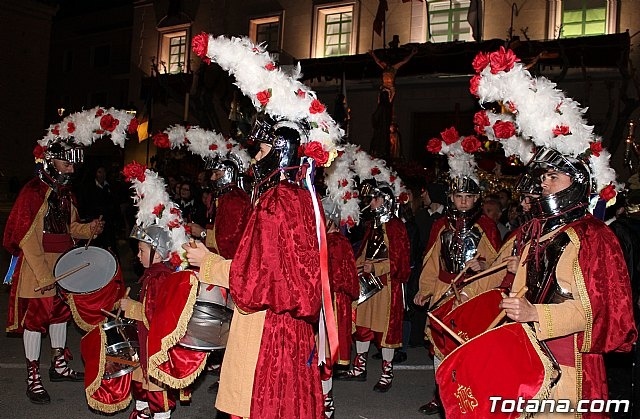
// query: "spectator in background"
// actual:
[[505, 198], [96, 200], [193, 210], [491, 208]]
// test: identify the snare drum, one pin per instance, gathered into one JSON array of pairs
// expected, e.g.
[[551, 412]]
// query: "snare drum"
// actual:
[[369, 286], [121, 342], [208, 328], [91, 289]]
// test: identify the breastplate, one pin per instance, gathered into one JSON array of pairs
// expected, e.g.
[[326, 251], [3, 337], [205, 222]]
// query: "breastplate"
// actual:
[[542, 283], [58, 215], [376, 247], [458, 247]]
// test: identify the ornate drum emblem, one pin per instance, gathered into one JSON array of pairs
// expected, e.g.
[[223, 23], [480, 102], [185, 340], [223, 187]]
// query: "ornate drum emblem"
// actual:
[[466, 401]]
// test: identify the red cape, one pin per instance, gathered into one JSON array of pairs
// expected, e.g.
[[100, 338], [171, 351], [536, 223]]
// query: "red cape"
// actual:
[[277, 269], [232, 214], [23, 213]]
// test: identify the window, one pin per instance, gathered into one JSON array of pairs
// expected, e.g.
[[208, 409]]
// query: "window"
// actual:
[[448, 21], [173, 52], [334, 35], [266, 31], [572, 18], [583, 17]]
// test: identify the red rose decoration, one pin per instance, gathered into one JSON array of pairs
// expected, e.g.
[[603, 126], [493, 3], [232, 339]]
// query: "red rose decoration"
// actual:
[[375, 171], [301, 93], [349, 222], [161, 140], [471, 144], [263, 97], [99, 112], [173, 223], [157, 210], [134, 170], [315, 151], [480, 62], [608, 193], [346, 196], [561, 130], [502, 60], [480, 120], [108, 122], [133, 126], [187, 229], [392, 179], [71, 127], [473, 85], [504, 129], [56, 130], [343, 183], [229, 146], [174, 210], [213, 147], [38, 151], [270, 66], [512, 107], [175, 259], [434, 145], [450, 135], [596, 148], [200, 45], [316, 106]]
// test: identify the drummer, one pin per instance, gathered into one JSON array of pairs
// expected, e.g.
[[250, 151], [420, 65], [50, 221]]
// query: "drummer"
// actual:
[[384, 253], [465, 239], [587, 309], [42, 225]]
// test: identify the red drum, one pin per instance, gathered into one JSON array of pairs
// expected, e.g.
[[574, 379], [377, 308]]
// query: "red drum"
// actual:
[[507, 362], [96, 287], [208, 328], [467, 320]]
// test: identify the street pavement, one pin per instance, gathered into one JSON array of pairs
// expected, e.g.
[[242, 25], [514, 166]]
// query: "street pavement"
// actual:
[[412, 386]]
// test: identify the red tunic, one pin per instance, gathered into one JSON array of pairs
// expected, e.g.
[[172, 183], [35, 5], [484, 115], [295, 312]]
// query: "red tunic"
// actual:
[[232, 213], [343, 277], [277, 269]]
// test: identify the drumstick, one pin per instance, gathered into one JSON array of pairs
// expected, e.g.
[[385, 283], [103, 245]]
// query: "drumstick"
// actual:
[[86, 246], [64, 275], [192, 244], [108, 313], [491, 270], [126, 294], [117, 360], [503, 313], [446, 329]]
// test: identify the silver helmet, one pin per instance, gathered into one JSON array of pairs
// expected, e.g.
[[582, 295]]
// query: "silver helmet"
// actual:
[[568, 204], [370, 189], [156, 236], [60, 149], [331, 211], [467, 218], [230, 165]]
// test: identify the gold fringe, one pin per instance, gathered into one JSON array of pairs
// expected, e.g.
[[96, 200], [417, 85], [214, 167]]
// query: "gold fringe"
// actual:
[[172, 339], [582, 291], [578, 358], [76, 315]]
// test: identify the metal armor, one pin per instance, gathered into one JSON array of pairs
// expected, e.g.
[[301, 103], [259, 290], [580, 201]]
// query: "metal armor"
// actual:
[[543, 287], [457, 247], [376, 247], [58, 215]]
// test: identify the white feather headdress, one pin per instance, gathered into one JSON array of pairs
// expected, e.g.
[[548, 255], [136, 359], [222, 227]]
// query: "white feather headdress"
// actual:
[[459, 151]]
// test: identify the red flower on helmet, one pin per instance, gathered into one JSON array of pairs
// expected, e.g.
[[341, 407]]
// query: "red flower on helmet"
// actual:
[[200, 45], [229, 146], [264, 96], [450, 135], [270, 66], [157, 210], [561, 130], [301, 93], [346, 196], [375, 171], [38, 151], [161, 140], [187, 229], [134, 170], [316, 106], [173, 223], [343, 183], [434, 145], [56, 130], [213, 147], [108, 123], [480, 62], [175, 259], [133, 126], [502, 60], [608, 193], [71, 127], [480, 120], [473, 85], [316, 152], [392, 179], [471, 144], [504, 129], [596, 148], [99, 112], [349, 222]]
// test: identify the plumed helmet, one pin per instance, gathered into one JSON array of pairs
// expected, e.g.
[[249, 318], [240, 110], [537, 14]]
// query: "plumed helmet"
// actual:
[[370, 189], [572, 201], [230, 167], [65, 151], [464, 184], [156, 236]]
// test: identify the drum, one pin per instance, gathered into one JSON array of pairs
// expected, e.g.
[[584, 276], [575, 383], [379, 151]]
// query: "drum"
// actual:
[[369, 286], [208, 328], [121, 342], [96, 287], [506, 362], [467, 320]]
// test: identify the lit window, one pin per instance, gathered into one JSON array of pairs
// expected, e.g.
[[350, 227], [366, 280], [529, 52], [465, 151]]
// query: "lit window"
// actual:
[[173, 52], [584, 17], [266, 31], [448, 21], [334, 31]]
